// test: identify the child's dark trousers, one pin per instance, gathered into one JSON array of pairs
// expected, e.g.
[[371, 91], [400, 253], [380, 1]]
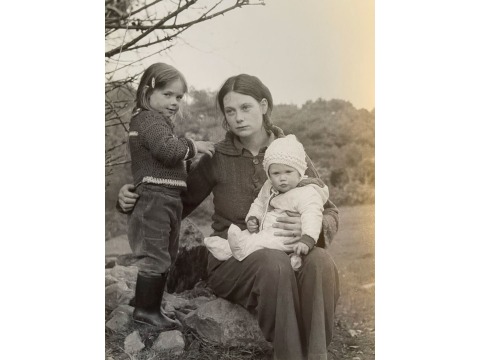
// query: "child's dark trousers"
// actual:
[[154, 228]]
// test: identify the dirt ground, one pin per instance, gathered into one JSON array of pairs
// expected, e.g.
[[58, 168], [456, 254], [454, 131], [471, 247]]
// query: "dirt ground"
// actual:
[[353, 250]]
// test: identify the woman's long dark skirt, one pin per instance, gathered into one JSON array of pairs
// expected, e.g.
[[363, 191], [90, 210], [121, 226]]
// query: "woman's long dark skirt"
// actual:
[[295, 310]]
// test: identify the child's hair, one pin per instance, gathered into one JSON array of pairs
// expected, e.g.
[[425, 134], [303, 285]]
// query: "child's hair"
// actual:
[[157, 75], [251, 86]]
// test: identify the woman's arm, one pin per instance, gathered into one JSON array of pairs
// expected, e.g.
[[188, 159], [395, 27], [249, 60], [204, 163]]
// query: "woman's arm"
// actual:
[[200, 183], [330, 213], [329, 225]]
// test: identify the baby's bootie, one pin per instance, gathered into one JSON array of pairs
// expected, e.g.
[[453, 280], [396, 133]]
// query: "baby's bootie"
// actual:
[[218, 247], [237, 242], [296, 261]]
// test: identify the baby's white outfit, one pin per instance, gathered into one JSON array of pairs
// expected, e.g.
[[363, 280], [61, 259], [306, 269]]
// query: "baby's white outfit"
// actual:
[[306, 200]]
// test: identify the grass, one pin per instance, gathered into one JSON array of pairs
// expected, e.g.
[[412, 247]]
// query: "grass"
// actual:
[[354, 253]]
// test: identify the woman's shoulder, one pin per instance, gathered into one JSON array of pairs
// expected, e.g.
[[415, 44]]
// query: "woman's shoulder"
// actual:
[[226, 146]]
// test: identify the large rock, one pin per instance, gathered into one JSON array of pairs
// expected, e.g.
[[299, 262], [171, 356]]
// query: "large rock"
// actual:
[[109, 280], [128, 274], [180, 305], [126, 309], [171, 342], [133, 343], [119, 321], [172, 302], [223, 323], [110, 262], [191, 264], [118, 294]]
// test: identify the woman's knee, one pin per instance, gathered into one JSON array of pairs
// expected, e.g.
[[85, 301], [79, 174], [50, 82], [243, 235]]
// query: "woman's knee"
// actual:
[[319, 259], [274, 264]]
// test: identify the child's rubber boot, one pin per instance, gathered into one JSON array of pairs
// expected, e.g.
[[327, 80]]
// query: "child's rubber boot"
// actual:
[[148, 299]]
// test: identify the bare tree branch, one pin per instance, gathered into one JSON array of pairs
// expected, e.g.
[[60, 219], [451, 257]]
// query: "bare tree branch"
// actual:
[[160, 24], [114, 85], [125, 47], [204, 17], [118, 115], [116, 146], [116, 124], [166, 38], [136, 61], [119, 163], [126, 16]]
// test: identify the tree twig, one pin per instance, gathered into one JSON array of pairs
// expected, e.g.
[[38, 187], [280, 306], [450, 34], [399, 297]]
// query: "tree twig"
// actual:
[[125, 47], [119, 163]]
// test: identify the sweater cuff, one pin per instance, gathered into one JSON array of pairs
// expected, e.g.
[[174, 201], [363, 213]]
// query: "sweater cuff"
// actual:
[[252, 217], [329, 228], [308, 240], [192, 149]]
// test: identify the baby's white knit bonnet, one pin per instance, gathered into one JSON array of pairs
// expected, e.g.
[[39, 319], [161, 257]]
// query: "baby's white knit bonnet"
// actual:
[[287, 151]]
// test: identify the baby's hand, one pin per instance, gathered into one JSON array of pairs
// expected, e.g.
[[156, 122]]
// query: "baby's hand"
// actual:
[[301, 248], [252, 224], [205, 147]]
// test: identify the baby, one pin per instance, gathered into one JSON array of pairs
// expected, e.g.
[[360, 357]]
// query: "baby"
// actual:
[[285, 165]]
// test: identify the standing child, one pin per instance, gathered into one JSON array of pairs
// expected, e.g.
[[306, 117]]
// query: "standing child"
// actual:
[[284, 190], [159, 173]]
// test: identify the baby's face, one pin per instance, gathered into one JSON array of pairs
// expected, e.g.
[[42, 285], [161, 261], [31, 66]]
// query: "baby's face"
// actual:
[[283, 177]]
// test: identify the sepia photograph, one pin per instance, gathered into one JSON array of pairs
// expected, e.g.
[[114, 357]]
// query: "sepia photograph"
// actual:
[[240, 179]]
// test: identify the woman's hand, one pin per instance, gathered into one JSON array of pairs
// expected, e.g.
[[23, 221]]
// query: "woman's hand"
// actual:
[[205, 147], [291, 226], [127, 198]]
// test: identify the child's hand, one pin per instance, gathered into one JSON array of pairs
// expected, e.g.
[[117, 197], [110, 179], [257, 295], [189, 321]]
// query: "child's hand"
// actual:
[[252, 224], [205, 147], [301, 248]]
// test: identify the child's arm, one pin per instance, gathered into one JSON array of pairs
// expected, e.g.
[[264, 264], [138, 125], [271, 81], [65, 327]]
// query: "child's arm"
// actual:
[[301, 248], [310, 206], [158, 137], [252, 224], [258, 206]]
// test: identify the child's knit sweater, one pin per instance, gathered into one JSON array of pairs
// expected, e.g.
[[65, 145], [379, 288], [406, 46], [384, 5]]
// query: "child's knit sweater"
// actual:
[[157, 153]]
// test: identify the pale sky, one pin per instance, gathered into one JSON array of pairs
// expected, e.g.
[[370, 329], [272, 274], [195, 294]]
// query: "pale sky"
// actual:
[[301, 50]]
